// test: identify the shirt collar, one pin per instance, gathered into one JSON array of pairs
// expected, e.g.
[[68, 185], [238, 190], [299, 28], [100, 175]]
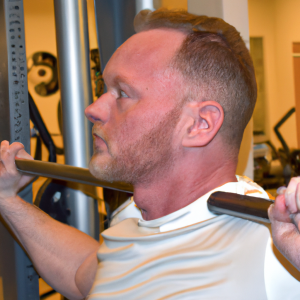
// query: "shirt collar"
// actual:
[[193, 213]]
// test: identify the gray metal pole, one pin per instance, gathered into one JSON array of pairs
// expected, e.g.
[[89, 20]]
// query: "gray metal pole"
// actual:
[[76, 95]]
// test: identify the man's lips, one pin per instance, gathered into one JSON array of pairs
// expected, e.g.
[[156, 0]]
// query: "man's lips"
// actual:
[[99, 141]]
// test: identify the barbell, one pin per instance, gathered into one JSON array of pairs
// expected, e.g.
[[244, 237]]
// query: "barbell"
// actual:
[[242, 206], [67, 173]]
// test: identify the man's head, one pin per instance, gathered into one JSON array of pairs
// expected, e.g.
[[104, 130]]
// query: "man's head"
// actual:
[[156, 81], [215, 64], [135, 119]]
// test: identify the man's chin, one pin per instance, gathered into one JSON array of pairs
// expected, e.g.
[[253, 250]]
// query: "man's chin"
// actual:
[[92, 169], [108, 169], [100, 167], [97, 165]]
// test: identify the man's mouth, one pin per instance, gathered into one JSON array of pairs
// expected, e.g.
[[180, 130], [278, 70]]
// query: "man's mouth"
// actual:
[[99, 142]]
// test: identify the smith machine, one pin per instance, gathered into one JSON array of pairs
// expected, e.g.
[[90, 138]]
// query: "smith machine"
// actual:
[[17, 275], [18, 279]]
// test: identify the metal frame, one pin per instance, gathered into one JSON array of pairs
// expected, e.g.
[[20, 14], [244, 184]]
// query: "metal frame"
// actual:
[[114, 19], [19, 279]]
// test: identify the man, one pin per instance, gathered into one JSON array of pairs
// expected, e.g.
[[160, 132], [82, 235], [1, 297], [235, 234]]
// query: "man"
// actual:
[[285, 218], [179, 95]]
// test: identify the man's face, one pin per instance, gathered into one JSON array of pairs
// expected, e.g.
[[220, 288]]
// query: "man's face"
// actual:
[[135, 121]]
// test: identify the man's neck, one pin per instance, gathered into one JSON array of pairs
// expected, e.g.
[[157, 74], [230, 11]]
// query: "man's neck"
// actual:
[[180, 186]]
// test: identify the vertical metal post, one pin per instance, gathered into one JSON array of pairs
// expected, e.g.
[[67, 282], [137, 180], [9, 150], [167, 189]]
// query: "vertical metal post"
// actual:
[[144, 4], [76, 94], [114, 20], [17, 277]]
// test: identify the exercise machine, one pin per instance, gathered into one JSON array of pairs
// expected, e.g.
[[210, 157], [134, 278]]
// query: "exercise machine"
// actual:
[[18, 279]]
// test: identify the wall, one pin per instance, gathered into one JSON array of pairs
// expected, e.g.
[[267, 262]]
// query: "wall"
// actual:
[[262, 24], [287, 32], [277, 21], [174, 4]]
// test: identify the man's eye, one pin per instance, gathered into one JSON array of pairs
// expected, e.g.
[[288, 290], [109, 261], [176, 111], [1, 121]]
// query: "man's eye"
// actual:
[[123, 94]]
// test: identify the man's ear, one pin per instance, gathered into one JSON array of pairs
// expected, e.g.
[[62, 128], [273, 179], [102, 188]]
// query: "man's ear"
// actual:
[[208, 117]]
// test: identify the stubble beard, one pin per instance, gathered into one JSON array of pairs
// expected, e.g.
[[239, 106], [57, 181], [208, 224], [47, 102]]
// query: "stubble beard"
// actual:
[[146, 159]]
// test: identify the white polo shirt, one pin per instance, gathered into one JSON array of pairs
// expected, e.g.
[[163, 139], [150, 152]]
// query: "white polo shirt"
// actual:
[[192, 254]]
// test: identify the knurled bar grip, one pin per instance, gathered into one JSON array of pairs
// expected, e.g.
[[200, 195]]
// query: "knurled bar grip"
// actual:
[[67, 173]]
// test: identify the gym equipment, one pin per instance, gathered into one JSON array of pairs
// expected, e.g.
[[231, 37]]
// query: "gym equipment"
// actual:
[[274, 168], [76, 95], [42, 130], [18, 279], [40, 64], [114, 21], [241, 206], [67, 173], [54, 195], [289, 160]]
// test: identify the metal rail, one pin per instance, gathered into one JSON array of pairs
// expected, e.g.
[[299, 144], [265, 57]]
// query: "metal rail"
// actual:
[[68, 173]]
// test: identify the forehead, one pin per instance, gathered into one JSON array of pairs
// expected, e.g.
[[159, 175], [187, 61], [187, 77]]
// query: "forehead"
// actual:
[[145, 54]]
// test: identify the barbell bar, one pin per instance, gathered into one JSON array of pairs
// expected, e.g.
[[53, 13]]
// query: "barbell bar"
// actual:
[[242, 206], [67, 173]]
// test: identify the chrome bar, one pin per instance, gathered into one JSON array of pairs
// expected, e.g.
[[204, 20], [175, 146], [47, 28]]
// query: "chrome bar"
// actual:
[[76, 94], [67, 173], [75, 80]]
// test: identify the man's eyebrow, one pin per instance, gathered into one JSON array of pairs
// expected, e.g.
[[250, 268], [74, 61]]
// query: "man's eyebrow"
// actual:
[[122, 79], [116, 78]]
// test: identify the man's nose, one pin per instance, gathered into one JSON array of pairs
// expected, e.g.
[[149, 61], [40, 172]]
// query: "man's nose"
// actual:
[[99, 111]]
